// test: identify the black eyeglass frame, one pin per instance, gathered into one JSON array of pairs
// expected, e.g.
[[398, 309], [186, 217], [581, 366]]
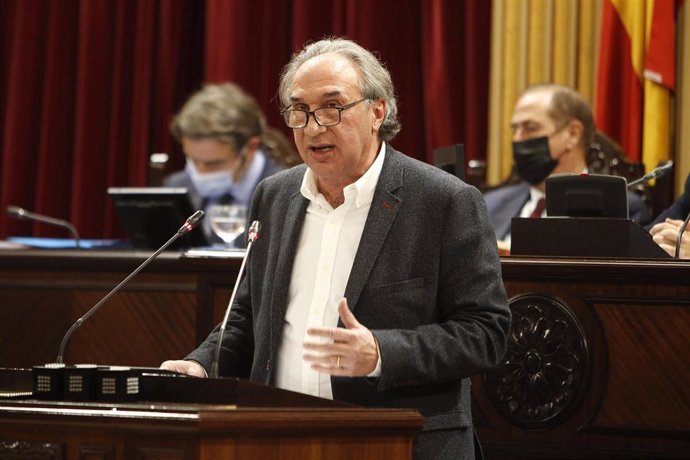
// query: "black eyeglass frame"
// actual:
[[312, 113]]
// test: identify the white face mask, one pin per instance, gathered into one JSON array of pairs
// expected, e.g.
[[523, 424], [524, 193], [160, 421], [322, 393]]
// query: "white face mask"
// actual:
[[209, 185]]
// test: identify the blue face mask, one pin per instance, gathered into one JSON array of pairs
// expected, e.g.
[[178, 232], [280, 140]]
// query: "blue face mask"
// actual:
[[210, 185]]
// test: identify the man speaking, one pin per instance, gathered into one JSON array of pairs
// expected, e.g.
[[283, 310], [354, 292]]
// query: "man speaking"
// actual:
[[376, 279]]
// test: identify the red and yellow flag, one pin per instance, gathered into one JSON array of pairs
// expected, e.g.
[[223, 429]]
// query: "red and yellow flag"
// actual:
[[636, 76]]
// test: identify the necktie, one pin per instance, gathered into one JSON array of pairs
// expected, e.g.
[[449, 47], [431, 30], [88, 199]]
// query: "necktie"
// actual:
[[541, 204]]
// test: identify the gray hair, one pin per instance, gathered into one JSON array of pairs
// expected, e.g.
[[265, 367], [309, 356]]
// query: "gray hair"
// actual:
[[375, 81], [223, 112]]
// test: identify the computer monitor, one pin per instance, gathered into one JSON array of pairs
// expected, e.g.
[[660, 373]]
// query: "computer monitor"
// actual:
[[152, 215], [451, 159], [586, 195]]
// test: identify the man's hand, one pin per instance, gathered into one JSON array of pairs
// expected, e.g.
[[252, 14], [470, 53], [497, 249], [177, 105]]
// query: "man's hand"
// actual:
[[351, 352], [185, 367], [665, 234]]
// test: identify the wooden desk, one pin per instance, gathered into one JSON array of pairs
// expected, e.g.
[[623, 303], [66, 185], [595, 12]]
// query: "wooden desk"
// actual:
[[74, 431], [162, 313], [598, 363]]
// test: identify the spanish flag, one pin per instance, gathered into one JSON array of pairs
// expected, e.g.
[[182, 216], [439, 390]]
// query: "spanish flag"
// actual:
[[636, 76]]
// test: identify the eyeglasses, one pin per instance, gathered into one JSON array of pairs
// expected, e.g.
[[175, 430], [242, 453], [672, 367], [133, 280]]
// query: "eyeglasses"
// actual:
[[324, 116]]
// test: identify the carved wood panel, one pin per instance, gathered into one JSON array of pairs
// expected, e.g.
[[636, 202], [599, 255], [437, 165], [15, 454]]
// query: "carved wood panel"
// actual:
[[634, 315], [544, 372], [30, 450], [154, 453], [96, 452]]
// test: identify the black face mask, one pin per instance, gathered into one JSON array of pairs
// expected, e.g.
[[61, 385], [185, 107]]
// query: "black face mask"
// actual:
[[532, 159]]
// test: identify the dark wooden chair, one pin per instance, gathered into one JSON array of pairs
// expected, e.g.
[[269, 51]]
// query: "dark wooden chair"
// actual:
[[605, 156], [158, 169], [451, 159]]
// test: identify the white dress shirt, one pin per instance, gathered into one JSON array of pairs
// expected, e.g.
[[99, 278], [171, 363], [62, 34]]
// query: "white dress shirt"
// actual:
[[534, 196], [325, 254]]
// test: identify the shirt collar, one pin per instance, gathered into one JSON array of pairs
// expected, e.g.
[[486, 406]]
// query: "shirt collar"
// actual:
[[360, 192], [535, 194]]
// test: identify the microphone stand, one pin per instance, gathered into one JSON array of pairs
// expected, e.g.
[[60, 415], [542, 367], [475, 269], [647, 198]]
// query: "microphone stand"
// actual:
[[20, 213], [654, 174], [189, 224], [252, 236], [680, 236]]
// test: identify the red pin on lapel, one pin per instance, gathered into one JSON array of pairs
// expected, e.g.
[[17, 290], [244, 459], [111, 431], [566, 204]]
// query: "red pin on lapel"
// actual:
[[387, 205]]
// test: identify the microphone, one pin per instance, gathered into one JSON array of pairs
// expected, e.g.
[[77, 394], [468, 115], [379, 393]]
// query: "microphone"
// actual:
[[681, 230], [252, 235], [657, 172], [20, 213], [189, 224]]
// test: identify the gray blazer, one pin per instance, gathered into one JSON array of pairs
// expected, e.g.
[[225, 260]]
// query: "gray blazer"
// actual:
[[507, 201], [426, 280]]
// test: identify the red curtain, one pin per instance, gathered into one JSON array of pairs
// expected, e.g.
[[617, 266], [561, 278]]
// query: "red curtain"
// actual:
[[436, 50], [88, 88]]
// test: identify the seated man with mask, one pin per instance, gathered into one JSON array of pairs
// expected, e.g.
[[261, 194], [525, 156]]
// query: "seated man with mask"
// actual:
[[221, 130], [553, 128]]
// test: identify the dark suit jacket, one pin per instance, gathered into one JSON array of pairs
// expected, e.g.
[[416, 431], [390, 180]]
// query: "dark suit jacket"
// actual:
[[506, 202], [679, 209], [426, 280]]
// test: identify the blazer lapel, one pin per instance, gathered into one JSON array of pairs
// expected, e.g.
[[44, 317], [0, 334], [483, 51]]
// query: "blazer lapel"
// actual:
[[505, 218], [511, 206], [294, 219], [384, 208]]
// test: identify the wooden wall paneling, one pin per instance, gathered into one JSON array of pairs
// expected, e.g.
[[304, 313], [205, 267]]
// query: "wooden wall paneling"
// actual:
[[598, 365], [636, 403]]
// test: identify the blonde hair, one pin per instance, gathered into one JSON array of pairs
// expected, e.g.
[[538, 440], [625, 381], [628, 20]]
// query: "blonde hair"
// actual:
[[223, 112]]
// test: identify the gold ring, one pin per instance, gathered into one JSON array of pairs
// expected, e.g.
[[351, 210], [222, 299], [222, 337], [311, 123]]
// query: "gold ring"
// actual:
[[337, 361]]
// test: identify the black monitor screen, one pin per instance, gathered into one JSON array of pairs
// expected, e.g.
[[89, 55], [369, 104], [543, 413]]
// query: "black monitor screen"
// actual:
[[152, 215], [582, 195], [451, 159]]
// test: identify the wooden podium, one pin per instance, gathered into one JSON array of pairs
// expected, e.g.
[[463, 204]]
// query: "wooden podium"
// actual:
[[597, 362], [162, 313], [257, 422], [582, 237], [617, 388]]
